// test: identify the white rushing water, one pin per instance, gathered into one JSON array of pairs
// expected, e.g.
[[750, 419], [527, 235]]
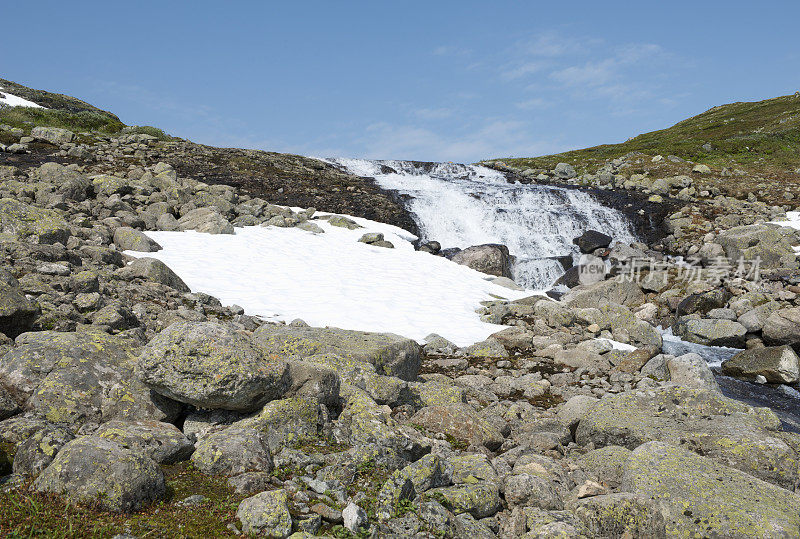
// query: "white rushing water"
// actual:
[[463, 205]]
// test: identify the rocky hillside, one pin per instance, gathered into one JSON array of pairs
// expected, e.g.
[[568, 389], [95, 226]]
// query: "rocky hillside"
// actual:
[[131, 405]]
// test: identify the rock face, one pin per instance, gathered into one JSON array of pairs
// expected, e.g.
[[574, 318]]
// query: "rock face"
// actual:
[[211, 366], [75, 378], [699, 497], [591, 240], [17, 312], [778, 364], [29, 222], [390, 354], [91, 469], [703, 420], [491, 258], [771, 244]]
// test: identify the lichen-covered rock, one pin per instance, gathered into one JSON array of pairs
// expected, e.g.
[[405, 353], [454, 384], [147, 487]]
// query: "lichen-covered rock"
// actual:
[[480, 499], [783, 326], [75, 378], [8, 405], [162, 442], [384, 389], [491, 347], [778, 364], [711, 332], [17, 312], [266, 514], [68, 182], [316, 381], [691, 370], [769, 243], [699, 497], [391, 354], [53, 135], [211, 366], [130, 239], [528, 490], [459, 421], [37, 452], [606, 464], [543, 524], [207, 220], [620, 515], [622, 291], [153, 270], [30, 222], [343, 222], [91, 469], [286, 421], [702, 420], [233, 451]]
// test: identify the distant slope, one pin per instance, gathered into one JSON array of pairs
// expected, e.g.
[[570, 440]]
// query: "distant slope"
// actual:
[[759, 134], [51, 100]]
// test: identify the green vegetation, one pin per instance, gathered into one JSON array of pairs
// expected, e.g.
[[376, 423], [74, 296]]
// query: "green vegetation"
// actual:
[[27, 117], [762, 133], [147, 130], [28, 514]]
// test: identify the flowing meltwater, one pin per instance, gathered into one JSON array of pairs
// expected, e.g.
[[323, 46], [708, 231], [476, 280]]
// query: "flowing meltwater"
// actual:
[[463, 205]]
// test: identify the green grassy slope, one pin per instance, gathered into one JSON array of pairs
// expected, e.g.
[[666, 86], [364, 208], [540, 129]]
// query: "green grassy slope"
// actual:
[[760, 134]]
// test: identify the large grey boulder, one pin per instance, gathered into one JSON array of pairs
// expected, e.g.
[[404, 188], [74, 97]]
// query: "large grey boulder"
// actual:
[[8, 405], [36, 452], [783, 326], [91, 469], [391, 354], [778, 364], [211, 366], [769, 243], [233, 451], [702, 420], [591, 240], [700, 497], [75, 378], [266, 514], [151, 269], [491, 258], [691, 370], [29, 222], [68, 182], [130, 239], [207, 220], [162, 442], [565, 171], [620, 514], [459, 421], [17, 312], [710, 331], [53, 135], [622, 291]]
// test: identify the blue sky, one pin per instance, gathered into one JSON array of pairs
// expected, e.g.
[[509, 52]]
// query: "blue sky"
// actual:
[[435, 80]]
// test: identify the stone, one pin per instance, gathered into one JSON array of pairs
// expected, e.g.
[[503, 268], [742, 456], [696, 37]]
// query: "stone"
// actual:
[[371, 237], [343, 222], [702, 420], [286, 422], [249, 483], [711, 332], [233, 451], [93, 470], [266, 514], [459, 421], [36, 453], [591, 240], [206, 220], [575, 409], [778, 364], [211, 365], [783, 326], [621, 291], [53, 135], [480, 499], [391, 354], [490, 258], [529, 490], [129, 239], [769, 243], [606, 464], [17, 312], [29, 222], [167, 221], [76, 378], [700, 497], [701, 169], [491, 347], [162, 442], [8, 405], [565, 171], [151, 269], [620, 515], [691, 370], [354, 517]]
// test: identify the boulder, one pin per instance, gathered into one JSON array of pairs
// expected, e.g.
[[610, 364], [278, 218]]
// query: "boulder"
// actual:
[[93, 470], [622, 291], [153, 270], [68, 182], [233, 451], [35, 453], [130, 239], [480, 499], [207, 220], [778, 364], [211, 365], [53, 135], [459, 421], [621, 514], [711, 332], [700, 497], [702, 420], [17, 312], [491, 258], [606, 464], [8, 405], [769, 243], [591, 240], [565, 171], [783, 326], [691, 370], [29, 222], [266, 514], [75, 378], [162, 442], [391, 354], [286, 422]]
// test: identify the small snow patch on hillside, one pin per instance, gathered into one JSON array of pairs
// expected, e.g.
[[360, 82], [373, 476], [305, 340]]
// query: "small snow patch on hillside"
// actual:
[[14, 101], [331, 279]]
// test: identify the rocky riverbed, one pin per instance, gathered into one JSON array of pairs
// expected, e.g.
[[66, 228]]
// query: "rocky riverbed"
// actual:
[[134, 405]]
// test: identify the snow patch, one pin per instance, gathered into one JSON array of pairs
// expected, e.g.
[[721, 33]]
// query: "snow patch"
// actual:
[[331, 279], [12, 100]]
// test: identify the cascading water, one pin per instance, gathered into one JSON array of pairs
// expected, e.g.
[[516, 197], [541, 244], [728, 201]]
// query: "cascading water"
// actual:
[[463, 205]]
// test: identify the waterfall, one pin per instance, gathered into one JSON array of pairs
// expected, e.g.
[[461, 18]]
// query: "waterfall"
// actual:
[[463, 205]]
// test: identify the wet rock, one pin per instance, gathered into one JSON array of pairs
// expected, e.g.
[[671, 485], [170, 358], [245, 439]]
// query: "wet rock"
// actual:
[[591, 240], [91, 469], [211, 366], [778, 364]]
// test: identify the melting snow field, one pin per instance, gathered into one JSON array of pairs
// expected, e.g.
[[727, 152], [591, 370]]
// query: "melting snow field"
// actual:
[[14, 101], [331, 279]]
